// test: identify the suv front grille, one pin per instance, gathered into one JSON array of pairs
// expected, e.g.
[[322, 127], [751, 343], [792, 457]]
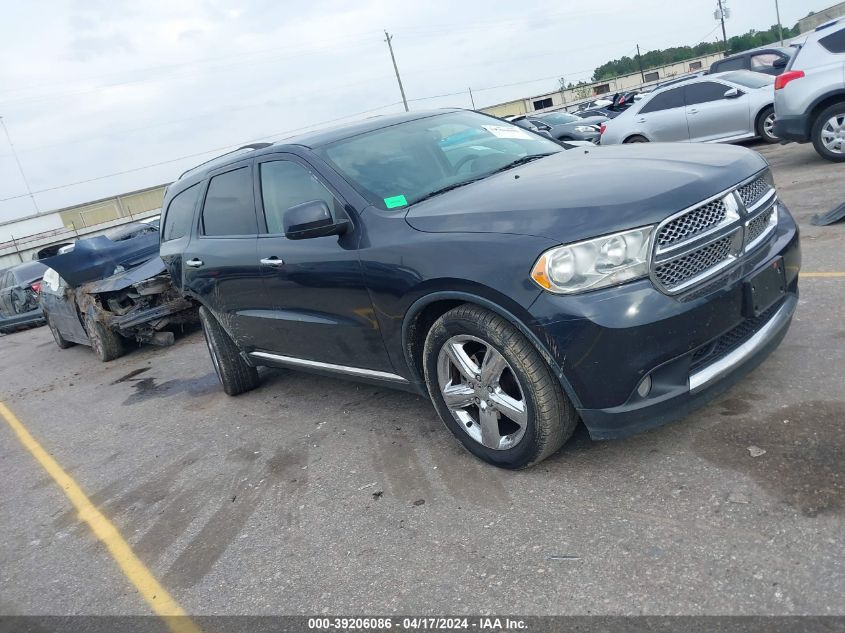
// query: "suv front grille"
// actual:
[[753, 191], [677, 271], [692, 223], [758, 225], [694, 245]]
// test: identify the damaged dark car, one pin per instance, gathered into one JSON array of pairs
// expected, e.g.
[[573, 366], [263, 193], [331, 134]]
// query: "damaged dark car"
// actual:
[[111, 290], [19, 287]]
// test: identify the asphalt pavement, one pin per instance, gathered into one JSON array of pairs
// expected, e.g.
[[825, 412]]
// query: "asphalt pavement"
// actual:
[[312, 495]]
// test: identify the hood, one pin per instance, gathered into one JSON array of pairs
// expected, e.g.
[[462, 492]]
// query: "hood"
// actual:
[[120, 281], [581, 193], [97, 257]]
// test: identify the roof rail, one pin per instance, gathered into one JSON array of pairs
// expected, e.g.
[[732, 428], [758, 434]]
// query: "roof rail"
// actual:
[[249, 146]]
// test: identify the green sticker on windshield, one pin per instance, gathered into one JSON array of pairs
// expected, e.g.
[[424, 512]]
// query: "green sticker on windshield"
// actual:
[[395, 201]]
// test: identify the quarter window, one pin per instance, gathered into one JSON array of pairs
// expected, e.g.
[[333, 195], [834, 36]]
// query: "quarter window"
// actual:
[[835, 42], [703, 92], [285, 184], [180, 212], [737, 63], [665, 101], [229, 208]]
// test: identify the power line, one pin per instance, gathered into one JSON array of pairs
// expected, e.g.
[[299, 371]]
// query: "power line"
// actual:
[[194, 155]]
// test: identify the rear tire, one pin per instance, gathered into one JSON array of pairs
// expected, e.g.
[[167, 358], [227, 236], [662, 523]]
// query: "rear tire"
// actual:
[[61, 341], [235, 374], [106, 343], [506, 406], [766, 124], [828, 133], [636, 138]]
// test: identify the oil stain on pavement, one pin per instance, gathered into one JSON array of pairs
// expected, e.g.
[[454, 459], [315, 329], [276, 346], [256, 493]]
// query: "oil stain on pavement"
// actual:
[[805, 451], [147, 388]]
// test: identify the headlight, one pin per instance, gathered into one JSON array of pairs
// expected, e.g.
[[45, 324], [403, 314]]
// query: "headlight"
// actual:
[[585, 129], [597, 263]]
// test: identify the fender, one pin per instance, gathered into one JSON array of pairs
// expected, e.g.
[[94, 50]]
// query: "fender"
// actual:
[[428, 299]]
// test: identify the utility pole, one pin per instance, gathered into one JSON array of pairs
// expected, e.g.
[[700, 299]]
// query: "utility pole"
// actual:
[[780, 28], [562, 82], [20, 167], [640, 63], [471, 98], [722, 16], [388, 38]]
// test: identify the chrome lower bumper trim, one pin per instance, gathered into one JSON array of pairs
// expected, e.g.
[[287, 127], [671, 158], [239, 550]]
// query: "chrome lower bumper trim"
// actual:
[[339, 369], [726, 364]]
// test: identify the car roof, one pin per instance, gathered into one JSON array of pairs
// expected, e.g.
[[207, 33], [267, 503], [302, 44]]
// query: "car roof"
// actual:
[[314, 139], [28, 271]]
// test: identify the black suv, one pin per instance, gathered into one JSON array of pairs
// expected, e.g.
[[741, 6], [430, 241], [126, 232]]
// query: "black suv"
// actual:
[[455, 254]]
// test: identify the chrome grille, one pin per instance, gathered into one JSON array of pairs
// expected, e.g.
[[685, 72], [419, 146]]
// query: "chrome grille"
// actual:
[[753, 191], [696, 244], [696, 221], [675, 272], [758, 225]]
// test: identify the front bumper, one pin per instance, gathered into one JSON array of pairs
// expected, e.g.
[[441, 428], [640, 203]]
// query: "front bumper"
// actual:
[[607, 341], [793, 128]]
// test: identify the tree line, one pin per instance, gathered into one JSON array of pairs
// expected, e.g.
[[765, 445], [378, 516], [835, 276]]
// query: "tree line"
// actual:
[[663, 57]]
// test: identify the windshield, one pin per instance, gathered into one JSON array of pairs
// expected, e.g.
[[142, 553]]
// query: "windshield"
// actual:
[[749, 79], [401, 164], [559, 118]]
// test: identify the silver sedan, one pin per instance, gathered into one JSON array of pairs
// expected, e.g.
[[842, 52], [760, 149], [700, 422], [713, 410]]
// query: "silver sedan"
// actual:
[[723, 107]]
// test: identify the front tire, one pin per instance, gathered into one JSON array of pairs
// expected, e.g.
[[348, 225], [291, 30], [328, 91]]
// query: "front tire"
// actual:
[[493, 390], [235, 374], [828, 133], [765, 127], [106, 344]]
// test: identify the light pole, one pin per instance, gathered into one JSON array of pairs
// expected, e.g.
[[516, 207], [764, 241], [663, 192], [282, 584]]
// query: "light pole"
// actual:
[[389, 39], [780, 27]]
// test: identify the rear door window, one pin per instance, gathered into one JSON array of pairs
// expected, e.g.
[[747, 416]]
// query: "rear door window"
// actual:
[[665, 101], [737, 63], [835, 42], [180, 212], [229, 207]]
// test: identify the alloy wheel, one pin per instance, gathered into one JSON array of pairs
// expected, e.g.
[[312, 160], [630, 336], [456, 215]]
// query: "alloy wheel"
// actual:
[[482, 392], [833, 134], [769, 126]]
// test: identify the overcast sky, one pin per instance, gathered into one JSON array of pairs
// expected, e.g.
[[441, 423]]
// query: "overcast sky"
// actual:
[[94, 87]]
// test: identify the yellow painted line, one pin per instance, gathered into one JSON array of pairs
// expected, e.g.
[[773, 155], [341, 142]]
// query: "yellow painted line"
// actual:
[[135, 571], [805, 275]]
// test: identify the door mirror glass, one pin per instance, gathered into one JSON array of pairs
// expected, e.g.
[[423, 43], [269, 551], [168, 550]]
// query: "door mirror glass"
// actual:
[[312, 219], [731, 93]]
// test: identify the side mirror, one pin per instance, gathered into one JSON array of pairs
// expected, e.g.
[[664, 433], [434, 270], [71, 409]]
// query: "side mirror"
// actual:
[[780, 62], [732, 93], [312, 219]]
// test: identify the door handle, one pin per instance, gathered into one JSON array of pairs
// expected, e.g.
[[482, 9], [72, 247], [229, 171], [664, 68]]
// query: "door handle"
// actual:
[[692, 111], [194, 263], [272, 261], [641, 120]]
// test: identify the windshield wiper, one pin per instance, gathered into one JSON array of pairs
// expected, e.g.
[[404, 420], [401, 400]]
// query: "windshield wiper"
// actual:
[[520, 161], [455, 185], [437, 192]]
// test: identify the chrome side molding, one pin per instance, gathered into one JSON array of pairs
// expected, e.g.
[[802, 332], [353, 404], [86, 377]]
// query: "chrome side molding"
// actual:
[[338, 369]]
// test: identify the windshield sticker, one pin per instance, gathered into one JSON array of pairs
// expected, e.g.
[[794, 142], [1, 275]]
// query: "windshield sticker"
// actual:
[[507, 131], [395, 201]]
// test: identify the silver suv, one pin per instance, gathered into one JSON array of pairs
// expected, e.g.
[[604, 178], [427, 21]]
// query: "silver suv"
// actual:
[[810, 94]]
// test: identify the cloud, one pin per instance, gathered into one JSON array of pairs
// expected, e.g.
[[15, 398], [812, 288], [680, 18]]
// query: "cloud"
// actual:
[[102, 86]]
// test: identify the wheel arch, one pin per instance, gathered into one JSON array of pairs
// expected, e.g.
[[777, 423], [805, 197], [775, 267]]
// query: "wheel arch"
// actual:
[[426, 310]]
